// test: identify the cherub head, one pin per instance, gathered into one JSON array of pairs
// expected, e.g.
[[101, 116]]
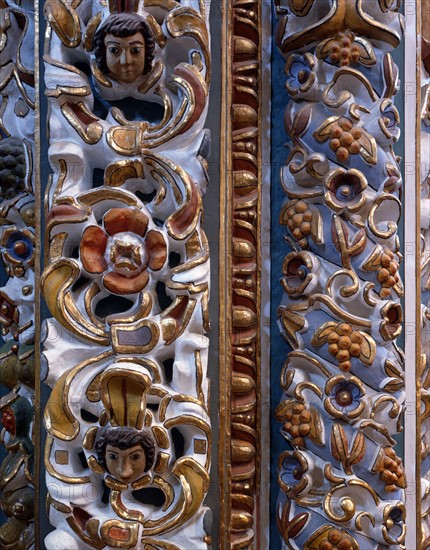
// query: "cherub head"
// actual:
[[124, 47], [125, 453]]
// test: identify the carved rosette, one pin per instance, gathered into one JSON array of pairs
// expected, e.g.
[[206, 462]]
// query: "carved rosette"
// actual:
[[126, 276], [17, 238], [242, 26], [342, 481]]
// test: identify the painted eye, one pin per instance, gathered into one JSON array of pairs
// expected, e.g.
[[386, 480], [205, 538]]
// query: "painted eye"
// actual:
[[112, 456], [114, 50], [136, 457], [136, 50]]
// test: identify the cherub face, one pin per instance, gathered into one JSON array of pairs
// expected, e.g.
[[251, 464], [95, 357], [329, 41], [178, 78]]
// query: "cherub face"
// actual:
[[126, 466], [125, 57]]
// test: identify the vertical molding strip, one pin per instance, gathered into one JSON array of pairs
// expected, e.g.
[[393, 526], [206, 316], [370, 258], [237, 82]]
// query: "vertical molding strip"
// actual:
[[126, 275], [18, 256], [240, 283], [342, 481]]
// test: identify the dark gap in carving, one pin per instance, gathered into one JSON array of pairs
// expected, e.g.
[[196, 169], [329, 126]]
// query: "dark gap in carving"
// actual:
[[152, 406], [146, 197], [75, 253], [98, 177], [112, 304], [83, 460], [88, 417], [174, 259], [164, 300], [168, 369], [178, 442], [106, 493], [158, 222], [79, 283], [150, 495]]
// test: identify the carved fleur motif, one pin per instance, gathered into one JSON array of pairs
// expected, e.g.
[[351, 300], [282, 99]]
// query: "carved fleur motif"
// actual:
[[123, 250], [345, 48], [345, 343], [300, 73], [347, 139], [344, 397], [297, 269], [344, 190]]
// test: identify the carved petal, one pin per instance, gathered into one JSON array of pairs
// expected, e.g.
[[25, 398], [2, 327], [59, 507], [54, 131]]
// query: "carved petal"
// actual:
[[120, 220], [118, 284], [92, 248], [157, 250]]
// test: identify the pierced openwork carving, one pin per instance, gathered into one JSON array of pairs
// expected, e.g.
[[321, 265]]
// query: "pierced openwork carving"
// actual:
[[126, 277], [342, 481], [17, 242]]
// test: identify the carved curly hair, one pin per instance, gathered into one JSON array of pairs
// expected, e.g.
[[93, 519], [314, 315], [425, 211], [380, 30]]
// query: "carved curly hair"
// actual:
[[124, 438], [123, 25]]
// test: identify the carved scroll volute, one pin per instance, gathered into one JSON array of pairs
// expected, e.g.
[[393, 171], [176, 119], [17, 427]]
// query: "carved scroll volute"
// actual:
[[127, 275], [342, 481], [17, 244]]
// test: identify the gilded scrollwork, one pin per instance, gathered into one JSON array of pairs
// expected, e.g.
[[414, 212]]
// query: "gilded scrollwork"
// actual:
[[126, 276], [342, 481], [18, 252]]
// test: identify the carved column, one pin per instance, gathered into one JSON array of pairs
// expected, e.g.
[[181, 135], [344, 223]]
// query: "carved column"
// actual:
[[240, 289], [17, 243], [126, 277], [342, 481], [423, 371]]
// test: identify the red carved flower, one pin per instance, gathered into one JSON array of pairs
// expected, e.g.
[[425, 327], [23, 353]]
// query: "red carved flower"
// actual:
[[123, 250], [8, 421]]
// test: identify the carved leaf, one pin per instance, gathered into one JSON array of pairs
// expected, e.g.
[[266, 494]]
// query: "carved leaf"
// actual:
[[340, 236], [315, 425], [323, 132], [301, 7], [282, 409], [358, 450], [367, 55], [302, 120], [368, 349], [340, 450], [369, 149], [321, 334], [290, 528], [339, 444]]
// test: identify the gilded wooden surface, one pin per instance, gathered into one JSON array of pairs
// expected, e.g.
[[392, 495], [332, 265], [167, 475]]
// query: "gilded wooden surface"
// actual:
[[342, 481], [240, 451], [17, 243], [126, 277]]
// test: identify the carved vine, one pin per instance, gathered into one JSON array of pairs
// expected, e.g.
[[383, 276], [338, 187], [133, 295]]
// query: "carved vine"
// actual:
[[342, 482]]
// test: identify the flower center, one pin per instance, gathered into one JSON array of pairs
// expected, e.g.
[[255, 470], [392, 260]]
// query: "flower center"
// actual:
[[344, 398], [125, 253]]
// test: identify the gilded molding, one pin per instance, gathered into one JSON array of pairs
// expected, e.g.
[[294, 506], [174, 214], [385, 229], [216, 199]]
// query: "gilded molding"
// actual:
[[18, 255], [126, 277], [240, 421], [342, 481]]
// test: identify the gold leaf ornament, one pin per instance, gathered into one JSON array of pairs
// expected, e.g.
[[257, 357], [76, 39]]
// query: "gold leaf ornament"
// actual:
[[340, 448]]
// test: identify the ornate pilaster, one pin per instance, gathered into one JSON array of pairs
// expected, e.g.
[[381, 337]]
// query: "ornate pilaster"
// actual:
[[126, 277], [240, 449], [342, 481], [17, 248]]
